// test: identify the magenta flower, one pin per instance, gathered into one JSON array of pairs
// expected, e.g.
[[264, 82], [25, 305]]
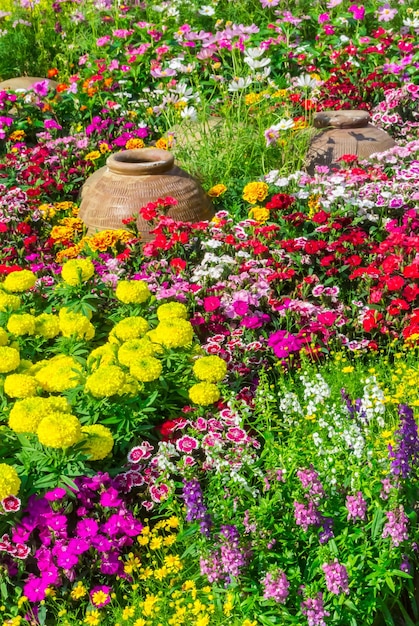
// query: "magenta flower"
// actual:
[[358, 11]]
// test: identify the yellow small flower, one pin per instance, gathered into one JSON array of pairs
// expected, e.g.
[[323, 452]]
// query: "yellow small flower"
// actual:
[[247, 622], [156, 543], [78, 592], [128, 612], [92, 618], [348, 369], [149, 605]]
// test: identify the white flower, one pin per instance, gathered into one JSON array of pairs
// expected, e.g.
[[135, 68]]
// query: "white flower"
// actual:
[[254, 53], [206, 10], [305, 80], [411, 23], [285, 124], [240, 83], [255, 64], [189, 113]]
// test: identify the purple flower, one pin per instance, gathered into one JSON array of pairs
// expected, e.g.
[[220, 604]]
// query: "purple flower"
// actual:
[[336, 577], [396, 526], [406, 455], [314, 611], [310, 481], [195, 507], [275, 587], [306, 516], [356, 506]]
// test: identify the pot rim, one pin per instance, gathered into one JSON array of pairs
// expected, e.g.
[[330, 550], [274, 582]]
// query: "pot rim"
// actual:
[[140, 162]]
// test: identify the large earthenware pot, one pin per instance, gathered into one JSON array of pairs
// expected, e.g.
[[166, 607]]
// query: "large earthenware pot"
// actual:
[[133, 178], [345, 132], [24, 83]]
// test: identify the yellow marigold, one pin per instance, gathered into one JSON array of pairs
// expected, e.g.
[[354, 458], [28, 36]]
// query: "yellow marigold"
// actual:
[[134, 144], [21, 324], [77, 271], [146, 369], [47, 325], [19, 281], [17, 135], [69, 253], [103, 355], [162, 143], [104, 147], [255, 192], [107, 239], [129, 328], [75, 223], [259, 213], [26, 414], [4, 337], [67, 206], [61, 234], [204, 393], [217, 191], [92, 156], [8, 302], [20, 386], [172, 309], [75, 324], [9, 359], [132, 291], [98, 441], [9, 481], [135, 349], [59, 430], [211, 369], [106, 381], [174, 333], [61, 373], [131, 387]]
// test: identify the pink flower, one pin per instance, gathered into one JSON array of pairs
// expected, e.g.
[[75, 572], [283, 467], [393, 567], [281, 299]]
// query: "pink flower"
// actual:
[[323, 17], [269, 3], [11, 504], [211, 303], [236, 434], [102, 41], [358, 11], [187, 444], [159, 492]]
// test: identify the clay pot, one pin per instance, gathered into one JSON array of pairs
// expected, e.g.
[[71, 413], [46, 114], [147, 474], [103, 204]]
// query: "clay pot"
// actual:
[[24, 83], [346, 132], [133, 178]]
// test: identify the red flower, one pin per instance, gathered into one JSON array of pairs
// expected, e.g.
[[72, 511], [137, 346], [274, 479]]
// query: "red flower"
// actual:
[[3, 228], [178, 264], [370, 320], [395, 283]]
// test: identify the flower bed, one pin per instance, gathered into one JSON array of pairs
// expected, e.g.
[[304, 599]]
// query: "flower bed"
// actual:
[[219, 425]]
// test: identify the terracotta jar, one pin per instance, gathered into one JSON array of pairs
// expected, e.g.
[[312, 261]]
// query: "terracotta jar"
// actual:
[[345, 132], [24, 83], [133, 178]]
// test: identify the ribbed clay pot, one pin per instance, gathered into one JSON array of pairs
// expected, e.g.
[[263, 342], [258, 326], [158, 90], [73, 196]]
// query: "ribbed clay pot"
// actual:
[[345, 132], [24, 83], [133, 178]]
